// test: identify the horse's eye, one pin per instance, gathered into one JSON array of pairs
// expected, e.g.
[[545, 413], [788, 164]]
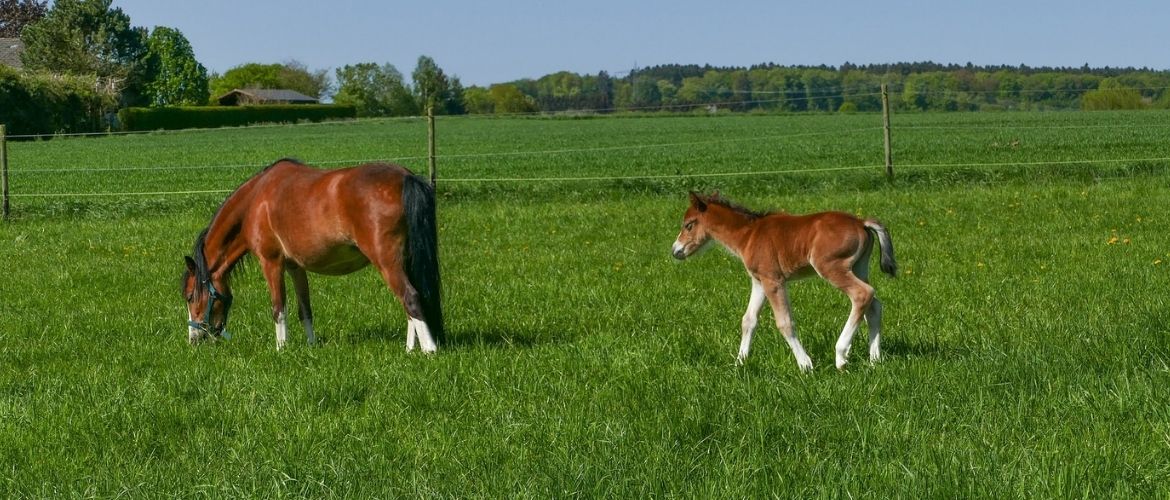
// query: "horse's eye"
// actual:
[[190, 299], [690, 225]]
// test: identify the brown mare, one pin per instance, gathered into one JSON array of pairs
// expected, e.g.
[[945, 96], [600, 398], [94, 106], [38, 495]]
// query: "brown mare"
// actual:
[[777, 248], [294, 218]]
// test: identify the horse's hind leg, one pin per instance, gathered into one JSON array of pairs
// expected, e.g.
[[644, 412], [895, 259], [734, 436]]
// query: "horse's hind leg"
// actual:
[[390, 266], [861, 298], [873, 317], [300, 281], [873, 314]]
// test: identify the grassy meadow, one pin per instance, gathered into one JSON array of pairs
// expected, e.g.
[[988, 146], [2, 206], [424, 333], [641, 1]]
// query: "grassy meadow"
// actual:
[[1026, 339]]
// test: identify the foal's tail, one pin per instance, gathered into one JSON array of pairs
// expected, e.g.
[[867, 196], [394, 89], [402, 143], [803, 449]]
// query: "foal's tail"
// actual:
[[422, 258], [887, 246]]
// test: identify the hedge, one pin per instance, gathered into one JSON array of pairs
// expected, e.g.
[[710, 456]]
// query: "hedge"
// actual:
[[34, 103], [174, 118]]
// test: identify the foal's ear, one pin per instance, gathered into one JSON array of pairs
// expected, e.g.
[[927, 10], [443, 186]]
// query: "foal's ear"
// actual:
[[190, 264], [698, 202]]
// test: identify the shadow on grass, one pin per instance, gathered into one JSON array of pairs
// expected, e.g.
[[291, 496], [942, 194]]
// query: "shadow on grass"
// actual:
[[900, 348], [492, 337]]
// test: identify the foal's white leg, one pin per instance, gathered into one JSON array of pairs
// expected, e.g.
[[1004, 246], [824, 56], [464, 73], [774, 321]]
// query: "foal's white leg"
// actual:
[[846, 338], [750, 318], [424, 336], [281, 330], [873, 317]]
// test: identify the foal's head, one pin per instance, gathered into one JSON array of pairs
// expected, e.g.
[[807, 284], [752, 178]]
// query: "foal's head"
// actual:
[[207, 305], [694, 235]]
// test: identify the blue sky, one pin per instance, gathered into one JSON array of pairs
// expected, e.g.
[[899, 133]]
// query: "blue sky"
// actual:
[[486, 42]]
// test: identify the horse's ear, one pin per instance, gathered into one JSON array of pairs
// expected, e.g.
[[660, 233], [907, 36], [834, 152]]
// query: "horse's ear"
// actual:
[[191, 264], [698, 202]]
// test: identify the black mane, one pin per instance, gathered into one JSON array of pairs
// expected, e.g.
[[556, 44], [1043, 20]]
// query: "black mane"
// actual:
[[197, 254], [718, 199]]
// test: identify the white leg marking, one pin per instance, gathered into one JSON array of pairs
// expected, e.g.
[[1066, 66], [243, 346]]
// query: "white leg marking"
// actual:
[[802, 359], [750, 319], [309, 332], [874, 318], [281, 331], [846, 338], [411, 334], [424, 336]]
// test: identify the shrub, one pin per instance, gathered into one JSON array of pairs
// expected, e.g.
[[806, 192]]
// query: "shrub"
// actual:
[[175, 118], [34, 103]]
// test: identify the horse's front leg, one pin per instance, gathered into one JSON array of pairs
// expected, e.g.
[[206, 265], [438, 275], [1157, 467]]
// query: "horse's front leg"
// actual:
[[300, 279], [777, 293], [274, 274], [750, 318]]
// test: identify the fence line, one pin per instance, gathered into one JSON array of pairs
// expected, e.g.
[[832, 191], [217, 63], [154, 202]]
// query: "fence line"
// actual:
[[643, 177], [469, 155], [900, 127], [839, 93]]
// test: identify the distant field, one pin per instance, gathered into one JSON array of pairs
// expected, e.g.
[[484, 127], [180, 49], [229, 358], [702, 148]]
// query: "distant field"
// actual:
[[1027, 341]]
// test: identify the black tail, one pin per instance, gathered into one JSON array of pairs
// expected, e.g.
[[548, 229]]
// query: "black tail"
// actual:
[[422, 256]]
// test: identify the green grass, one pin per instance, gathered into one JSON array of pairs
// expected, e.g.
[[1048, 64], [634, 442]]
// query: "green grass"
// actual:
[[1026, 339]]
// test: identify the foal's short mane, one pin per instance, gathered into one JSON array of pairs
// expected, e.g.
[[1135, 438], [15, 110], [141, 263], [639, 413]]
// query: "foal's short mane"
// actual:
[[718, 199]]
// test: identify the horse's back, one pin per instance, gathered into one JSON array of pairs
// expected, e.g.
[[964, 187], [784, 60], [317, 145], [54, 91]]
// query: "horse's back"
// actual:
[[791, 242], [316, 217]]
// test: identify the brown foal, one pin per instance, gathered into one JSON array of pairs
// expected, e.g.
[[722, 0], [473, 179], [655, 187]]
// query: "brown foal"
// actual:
[[777, 248]]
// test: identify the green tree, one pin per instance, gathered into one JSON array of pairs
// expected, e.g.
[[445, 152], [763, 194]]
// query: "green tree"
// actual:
[[507, 98], [453, 102], [1112, 94], [374, 90], [89, 37], [478, 100], [292, 75], [430, 84], [16, 14], [176, 78], [297, 76]]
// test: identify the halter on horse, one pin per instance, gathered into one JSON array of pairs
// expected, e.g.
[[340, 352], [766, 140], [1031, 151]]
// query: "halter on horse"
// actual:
[[294, 219]]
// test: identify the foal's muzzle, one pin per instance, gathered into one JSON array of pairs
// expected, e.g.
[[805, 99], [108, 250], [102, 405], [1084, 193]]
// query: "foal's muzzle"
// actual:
[[679, 251]]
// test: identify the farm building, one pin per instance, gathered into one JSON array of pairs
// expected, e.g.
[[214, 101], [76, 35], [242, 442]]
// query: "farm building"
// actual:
[[240, 97], [10, 49]]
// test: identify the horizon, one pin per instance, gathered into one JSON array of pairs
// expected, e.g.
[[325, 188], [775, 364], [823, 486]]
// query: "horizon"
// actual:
[[527, 39]]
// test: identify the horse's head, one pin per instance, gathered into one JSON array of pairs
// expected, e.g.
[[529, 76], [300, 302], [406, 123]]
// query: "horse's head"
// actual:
[[694, 235], [207, 305]]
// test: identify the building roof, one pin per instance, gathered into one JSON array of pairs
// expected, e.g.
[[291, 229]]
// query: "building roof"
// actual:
[[10, 50], [265, 96]]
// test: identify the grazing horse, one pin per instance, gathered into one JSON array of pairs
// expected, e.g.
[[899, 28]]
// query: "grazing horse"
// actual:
[[777, 248], [294, 218]]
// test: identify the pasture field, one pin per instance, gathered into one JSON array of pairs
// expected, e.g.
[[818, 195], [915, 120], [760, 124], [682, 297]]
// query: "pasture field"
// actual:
[[1026, 339]]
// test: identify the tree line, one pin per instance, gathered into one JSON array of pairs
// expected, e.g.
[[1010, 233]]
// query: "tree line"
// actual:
[[97, 45]]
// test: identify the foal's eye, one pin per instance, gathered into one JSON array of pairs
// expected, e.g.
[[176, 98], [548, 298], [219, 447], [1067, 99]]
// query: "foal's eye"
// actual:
[[190, 299], [690, 225]]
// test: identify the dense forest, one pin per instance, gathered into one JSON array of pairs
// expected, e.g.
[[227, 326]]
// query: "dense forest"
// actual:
[[913, 86]]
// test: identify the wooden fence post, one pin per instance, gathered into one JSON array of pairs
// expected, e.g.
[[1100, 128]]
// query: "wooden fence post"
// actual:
[[431, 142], [4, 166], [886, 123]]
